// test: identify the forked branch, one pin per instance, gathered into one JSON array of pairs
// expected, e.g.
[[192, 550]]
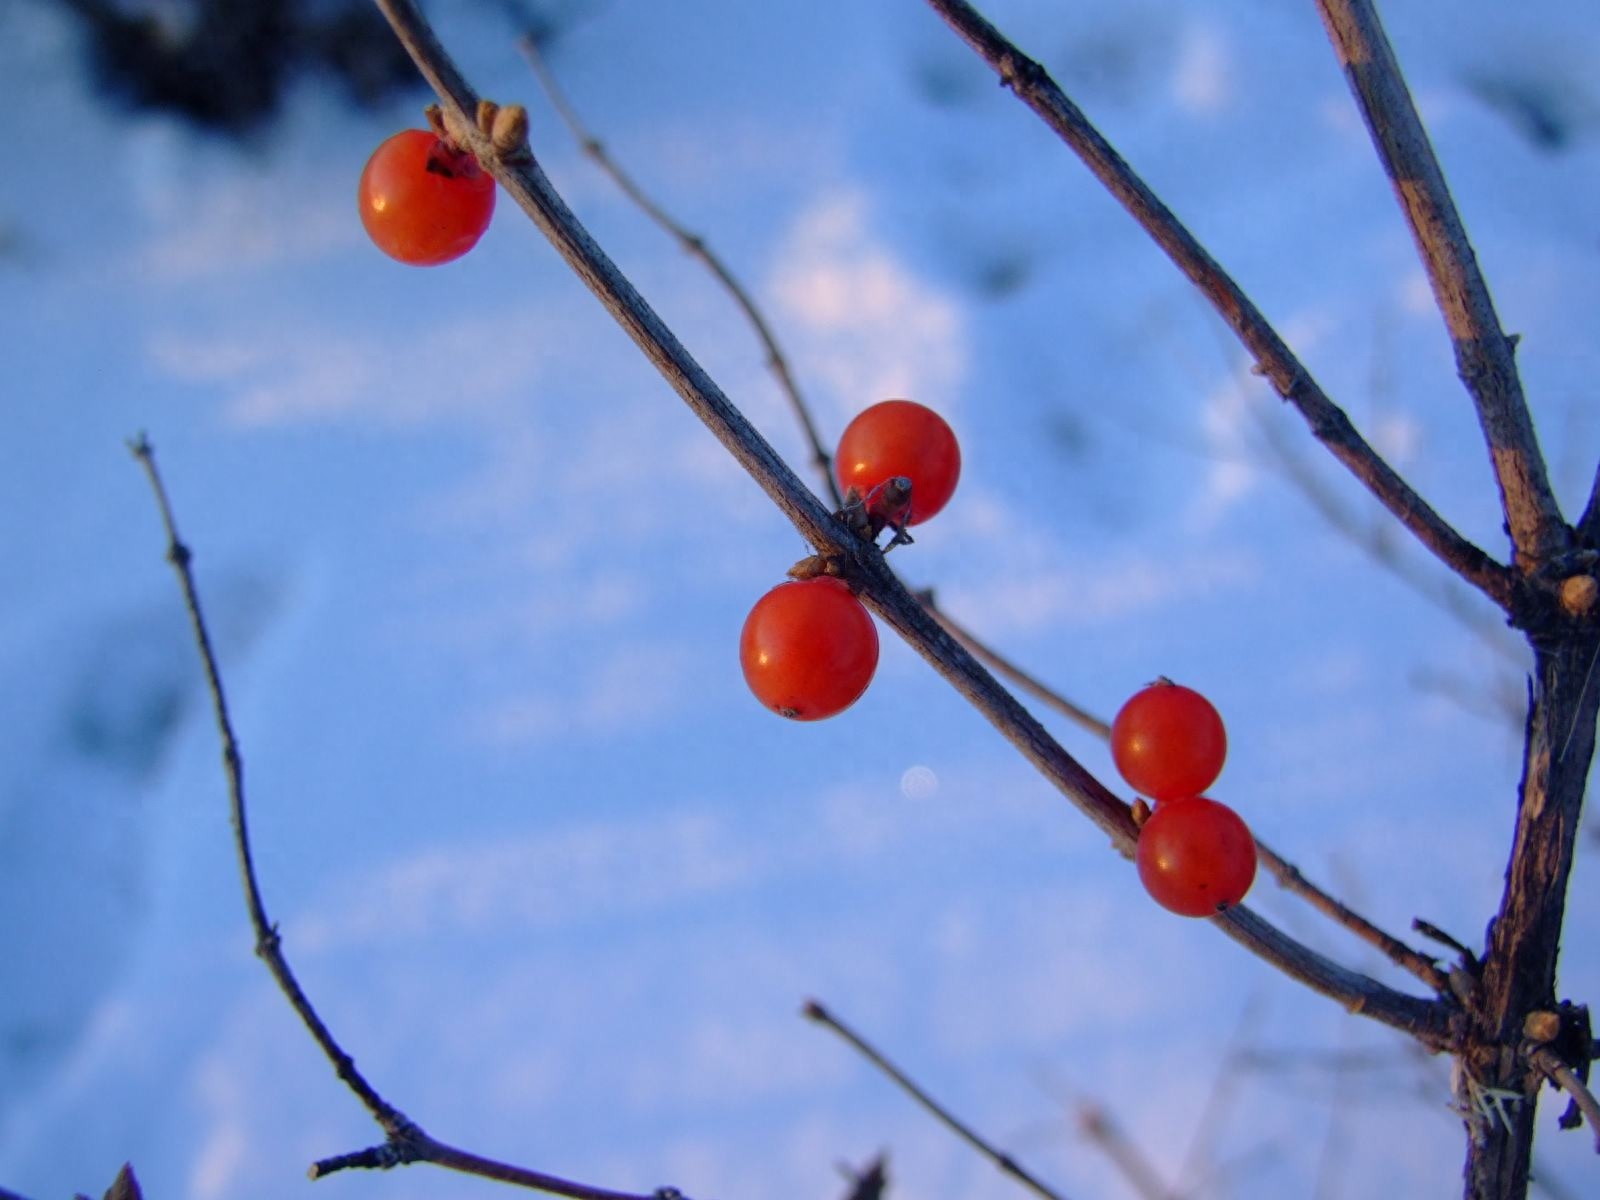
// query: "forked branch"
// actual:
[[1034, 87]]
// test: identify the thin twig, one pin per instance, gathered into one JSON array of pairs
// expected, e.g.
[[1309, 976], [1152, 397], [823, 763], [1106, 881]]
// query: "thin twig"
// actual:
[[694, 244], [1485, 357], [1549, 1064], [406, 1142], [1101, 1128], [1375, 541], [1003, 666], [858, 560], [1329, 423], [816, 1012], [1197, 1157]]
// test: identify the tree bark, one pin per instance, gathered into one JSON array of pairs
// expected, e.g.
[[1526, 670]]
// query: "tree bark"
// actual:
[[1524, 939]]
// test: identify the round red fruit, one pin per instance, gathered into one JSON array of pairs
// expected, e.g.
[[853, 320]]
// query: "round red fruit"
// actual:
[[1196, 857], [422, 201], [900, 438], [1168, 742], [809, 648]]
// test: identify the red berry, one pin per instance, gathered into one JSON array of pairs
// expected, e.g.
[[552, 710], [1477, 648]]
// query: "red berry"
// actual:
[[809, 648], [1196, 857], [1168, 742], [424, 202], [900, 437]]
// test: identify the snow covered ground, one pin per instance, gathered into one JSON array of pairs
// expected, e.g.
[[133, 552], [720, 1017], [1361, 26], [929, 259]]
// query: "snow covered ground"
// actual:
[[556, 880]]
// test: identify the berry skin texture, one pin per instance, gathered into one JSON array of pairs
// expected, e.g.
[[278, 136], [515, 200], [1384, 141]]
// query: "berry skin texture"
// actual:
[[423, 202], [809, 648], [1168, 742], [1196, 857], [900, 437]]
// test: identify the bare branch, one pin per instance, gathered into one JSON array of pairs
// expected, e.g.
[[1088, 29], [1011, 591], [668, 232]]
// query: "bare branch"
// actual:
[[1485, 357], [1329, 424], [816, 1012], [857, 560], [1564, 1077], [1375, 540], [406, 1142], [695, 245], [1007, 669], [1288, 876]]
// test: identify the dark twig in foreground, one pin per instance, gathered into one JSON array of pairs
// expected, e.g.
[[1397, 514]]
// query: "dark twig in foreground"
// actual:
[[816, 1012], [1485, 357], [1329, 423], [693, 243], [859, 561], [406, 1143]]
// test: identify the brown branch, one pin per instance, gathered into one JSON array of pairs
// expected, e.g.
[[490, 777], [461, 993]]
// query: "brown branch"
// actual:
[[695, 245], [1589, 524], [406, 1142], [1329, 423], [1485, 357], [1288, 876], [814, 1011], [1564, 1077], [857, 560]]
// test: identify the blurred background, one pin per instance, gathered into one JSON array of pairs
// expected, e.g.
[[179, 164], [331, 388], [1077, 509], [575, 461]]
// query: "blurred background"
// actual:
[[555, 878]]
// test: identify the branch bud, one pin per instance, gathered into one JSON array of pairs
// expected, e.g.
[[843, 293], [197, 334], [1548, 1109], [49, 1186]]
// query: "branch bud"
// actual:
[[509, 132], [1580, 595], [488, 110], [1541, 1027]]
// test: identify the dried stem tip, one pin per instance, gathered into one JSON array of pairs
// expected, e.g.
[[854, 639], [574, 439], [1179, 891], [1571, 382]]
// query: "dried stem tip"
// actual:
[[1580, 595]]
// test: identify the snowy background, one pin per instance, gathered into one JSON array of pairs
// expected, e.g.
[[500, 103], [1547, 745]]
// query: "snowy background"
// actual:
[[552, 875]]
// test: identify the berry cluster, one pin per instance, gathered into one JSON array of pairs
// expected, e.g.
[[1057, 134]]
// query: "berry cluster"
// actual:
[[1195, 856], [809, 647]]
